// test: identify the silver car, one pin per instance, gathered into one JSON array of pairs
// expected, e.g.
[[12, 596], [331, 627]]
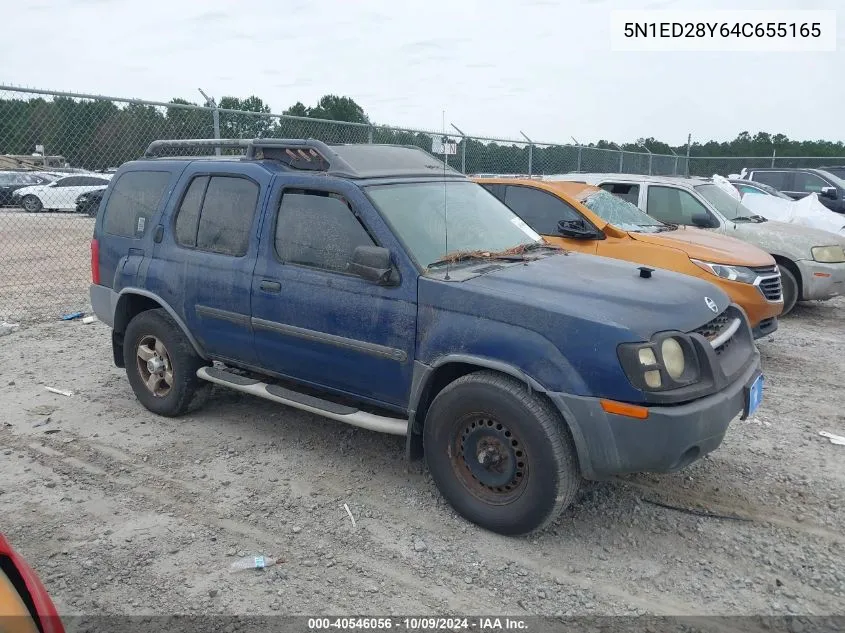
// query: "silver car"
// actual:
[[811, 262]]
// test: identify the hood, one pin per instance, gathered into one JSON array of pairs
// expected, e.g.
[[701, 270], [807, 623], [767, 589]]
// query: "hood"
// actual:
[[708, 246], [597, 290], [792, 240]]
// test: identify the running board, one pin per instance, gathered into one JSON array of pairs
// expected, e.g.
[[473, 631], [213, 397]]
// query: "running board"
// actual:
[[325, 408]]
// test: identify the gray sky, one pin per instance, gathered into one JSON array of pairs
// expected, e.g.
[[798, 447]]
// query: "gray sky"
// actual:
[[495, 66]]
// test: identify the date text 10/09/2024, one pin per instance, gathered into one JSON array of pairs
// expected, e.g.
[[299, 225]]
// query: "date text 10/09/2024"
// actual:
[[722, 29], [419, 624]]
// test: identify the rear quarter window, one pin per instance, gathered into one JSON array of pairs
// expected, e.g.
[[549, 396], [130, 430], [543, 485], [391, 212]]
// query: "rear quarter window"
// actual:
[[133, 201]]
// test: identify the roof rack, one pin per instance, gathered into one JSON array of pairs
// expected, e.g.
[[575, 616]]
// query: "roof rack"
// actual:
[[348, 161]]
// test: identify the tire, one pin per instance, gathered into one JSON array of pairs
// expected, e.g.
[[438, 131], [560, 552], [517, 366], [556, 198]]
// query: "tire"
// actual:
[[790, 289], [155, 331], [31, 204], [493, 415]]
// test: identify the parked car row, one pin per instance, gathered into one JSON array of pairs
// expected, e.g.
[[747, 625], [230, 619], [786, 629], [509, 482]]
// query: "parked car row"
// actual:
[[52, 191], [376, 286], [811, 262]]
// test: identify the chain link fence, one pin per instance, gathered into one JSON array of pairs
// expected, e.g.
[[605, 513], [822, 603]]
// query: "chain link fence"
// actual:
[[59, 150]]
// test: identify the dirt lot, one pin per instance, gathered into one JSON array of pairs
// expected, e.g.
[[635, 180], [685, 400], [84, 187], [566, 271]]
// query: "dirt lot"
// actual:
[[123, 512]]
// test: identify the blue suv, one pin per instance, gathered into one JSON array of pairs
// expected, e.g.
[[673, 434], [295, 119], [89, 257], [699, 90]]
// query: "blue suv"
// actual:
[[373, 285]]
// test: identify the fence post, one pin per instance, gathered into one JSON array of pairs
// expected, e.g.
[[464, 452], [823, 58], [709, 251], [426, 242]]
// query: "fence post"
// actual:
[[621, 159], [578, 168], [689, 142], [370, 135], [774, 153], [463, 148], [215, 117], [530, 153]]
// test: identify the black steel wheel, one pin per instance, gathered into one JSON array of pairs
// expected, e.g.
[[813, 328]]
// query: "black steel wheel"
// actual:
[[501, 455]]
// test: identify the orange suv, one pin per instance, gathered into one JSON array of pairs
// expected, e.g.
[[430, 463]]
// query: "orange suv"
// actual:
[[585, 218]]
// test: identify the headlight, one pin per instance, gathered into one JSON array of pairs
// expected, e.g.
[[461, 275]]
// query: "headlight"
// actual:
[[726, 271], [673, 358], [668, 362], [828, 254]]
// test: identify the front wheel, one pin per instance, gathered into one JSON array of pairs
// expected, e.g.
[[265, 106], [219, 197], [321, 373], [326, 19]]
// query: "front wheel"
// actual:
[[790, 289], [31, 204], [161, 363], [499, 454]]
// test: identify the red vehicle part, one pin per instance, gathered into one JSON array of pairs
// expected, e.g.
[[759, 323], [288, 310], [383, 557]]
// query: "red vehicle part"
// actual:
[[16, 575]]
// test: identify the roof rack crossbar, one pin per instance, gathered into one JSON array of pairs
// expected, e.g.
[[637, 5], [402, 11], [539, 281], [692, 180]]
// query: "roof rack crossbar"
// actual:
[[253, 149]]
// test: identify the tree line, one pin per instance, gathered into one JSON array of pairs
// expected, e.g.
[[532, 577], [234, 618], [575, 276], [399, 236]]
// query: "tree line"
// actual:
[[99, 134]]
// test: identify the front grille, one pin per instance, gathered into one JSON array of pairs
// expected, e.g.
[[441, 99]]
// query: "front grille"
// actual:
[[712, 329], [771, 288], [765, 270]]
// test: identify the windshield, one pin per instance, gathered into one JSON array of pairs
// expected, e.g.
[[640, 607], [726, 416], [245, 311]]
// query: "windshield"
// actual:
[[836, 177], [724, 202], [621, 213], [771, 190], [477, 221]]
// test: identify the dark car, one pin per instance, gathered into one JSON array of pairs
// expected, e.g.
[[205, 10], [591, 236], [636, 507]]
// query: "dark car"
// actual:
[[798, 183], [324, 278], [25, 605], [11, 181], [89, 202], [836, 170]]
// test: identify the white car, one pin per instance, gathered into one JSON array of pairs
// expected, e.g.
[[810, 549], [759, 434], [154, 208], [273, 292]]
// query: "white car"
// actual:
[[61, 194]]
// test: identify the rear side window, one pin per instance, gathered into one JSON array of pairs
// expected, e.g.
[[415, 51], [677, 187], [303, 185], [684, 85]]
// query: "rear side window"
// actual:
[[540, 210], [626, 191], [216, 214], [318, 229], [133, 201], [188, 216], [776, 179]]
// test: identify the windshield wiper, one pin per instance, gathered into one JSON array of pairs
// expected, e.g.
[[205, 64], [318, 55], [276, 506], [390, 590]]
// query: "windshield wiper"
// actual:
[[749, 218], [515, 254], [459, 258]]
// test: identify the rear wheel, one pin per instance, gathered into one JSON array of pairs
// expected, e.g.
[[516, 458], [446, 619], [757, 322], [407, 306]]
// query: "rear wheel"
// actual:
[[499, 454], [31, 204], [161, 363], [790, 289]]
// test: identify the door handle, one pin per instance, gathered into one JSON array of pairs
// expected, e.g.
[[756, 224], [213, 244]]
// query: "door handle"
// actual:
[[271, 286]]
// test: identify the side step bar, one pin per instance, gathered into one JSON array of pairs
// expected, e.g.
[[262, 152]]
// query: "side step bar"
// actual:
[[325, 408]]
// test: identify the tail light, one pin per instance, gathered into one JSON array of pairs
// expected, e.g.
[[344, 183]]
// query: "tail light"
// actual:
[[95, 261]]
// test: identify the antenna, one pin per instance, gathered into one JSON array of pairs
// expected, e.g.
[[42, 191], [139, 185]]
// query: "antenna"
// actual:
[[445, 203]]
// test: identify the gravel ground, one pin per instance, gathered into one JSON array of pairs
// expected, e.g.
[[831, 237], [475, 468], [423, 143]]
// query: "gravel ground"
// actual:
[[123, 512]]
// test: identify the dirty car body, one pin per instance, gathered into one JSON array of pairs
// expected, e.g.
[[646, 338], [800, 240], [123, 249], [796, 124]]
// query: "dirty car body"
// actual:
[[588, 219], [375, 286], [814, 258]]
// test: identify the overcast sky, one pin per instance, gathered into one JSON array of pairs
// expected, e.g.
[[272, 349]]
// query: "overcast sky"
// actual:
[[495, 66]]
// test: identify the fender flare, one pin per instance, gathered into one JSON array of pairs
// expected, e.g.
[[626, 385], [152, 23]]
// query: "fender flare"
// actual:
[[170, 311], [423, 374]]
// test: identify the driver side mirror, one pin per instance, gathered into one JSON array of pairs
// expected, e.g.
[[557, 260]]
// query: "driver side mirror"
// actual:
[[828, 192], [373, 264], [703, 221], [576, 229]]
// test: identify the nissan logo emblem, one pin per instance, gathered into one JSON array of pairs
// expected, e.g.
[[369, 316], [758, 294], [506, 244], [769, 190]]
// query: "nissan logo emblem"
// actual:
[[712, 305]]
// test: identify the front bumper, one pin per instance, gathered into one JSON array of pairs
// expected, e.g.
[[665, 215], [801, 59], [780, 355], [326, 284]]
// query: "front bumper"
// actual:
[[765, 327], [752, 300], [670, 438], [821, 281]]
